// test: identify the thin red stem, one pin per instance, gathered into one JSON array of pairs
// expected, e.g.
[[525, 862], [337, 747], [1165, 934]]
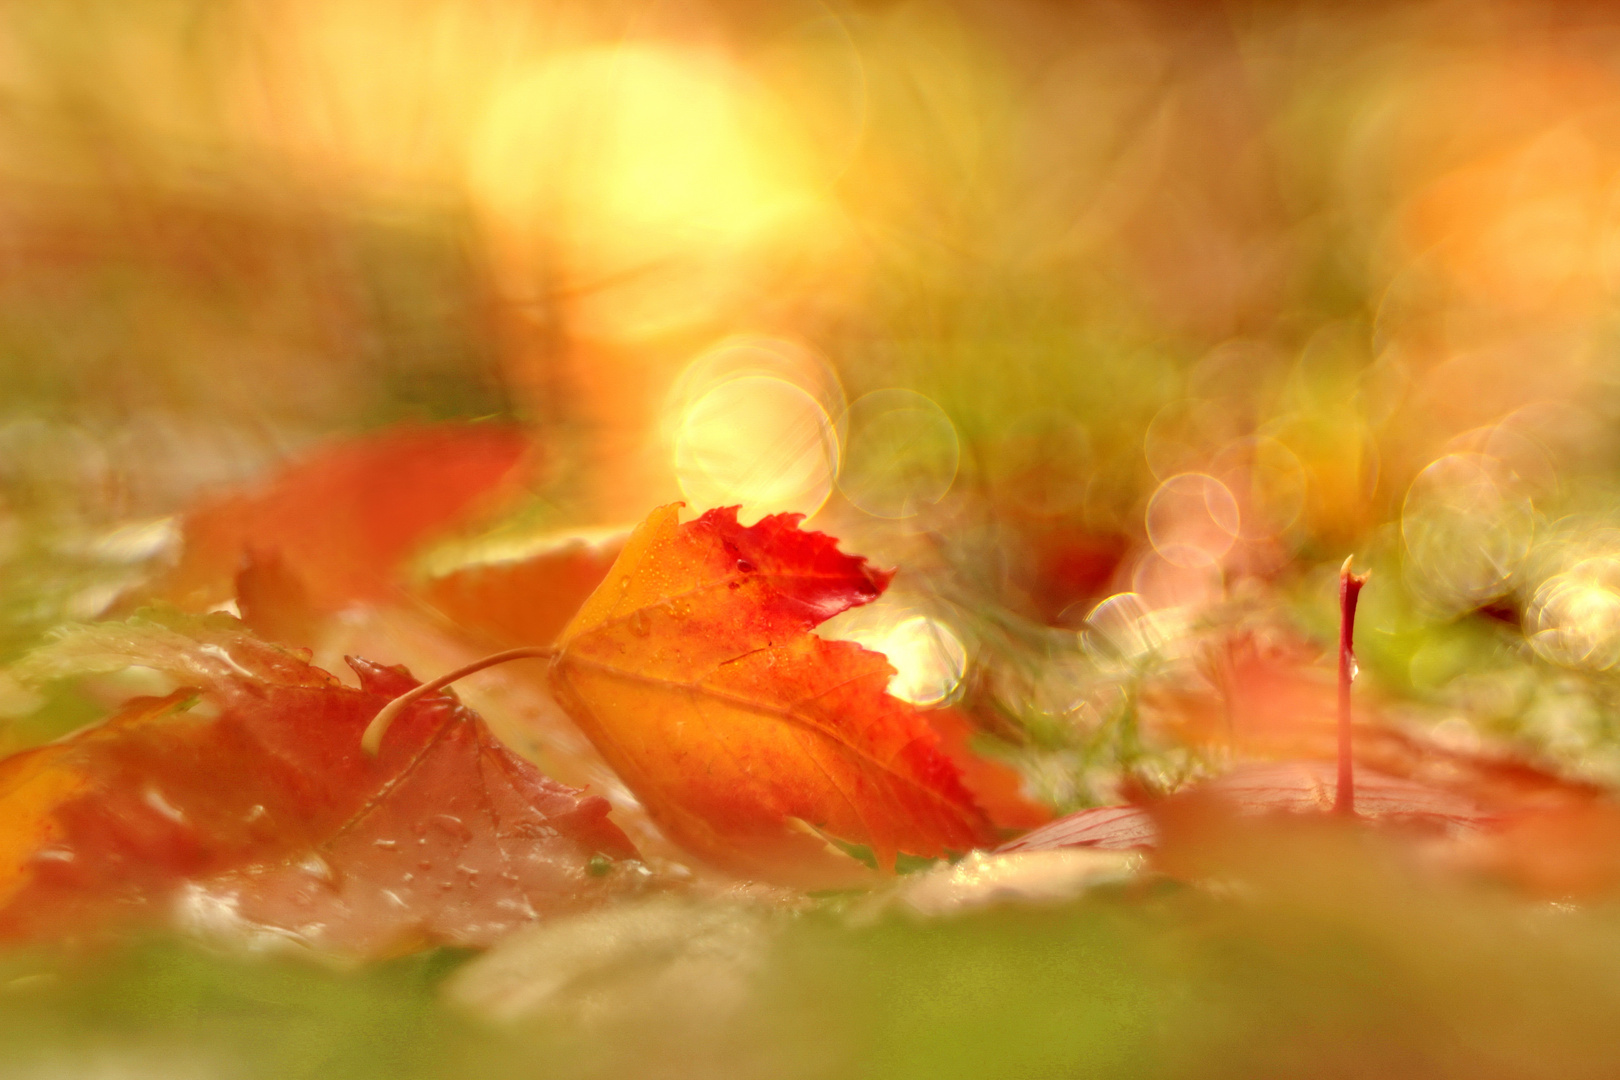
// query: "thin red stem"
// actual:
[[1344, 801], [371, 740]]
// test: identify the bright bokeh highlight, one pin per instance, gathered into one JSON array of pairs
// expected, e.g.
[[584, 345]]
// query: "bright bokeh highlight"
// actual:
[[759, 442], [901, 454]]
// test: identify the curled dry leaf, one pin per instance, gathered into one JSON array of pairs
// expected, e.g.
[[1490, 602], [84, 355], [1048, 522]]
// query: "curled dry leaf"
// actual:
[[1310, 787], [750, 740], [1551, 849], [252, 798]]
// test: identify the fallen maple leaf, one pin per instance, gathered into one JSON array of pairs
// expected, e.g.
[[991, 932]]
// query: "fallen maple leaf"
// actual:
[[750, 740], [515, 603], [463, 844], [261, 803]]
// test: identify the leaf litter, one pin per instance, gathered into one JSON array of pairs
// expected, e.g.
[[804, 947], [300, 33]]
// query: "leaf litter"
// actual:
[[1252, 856]]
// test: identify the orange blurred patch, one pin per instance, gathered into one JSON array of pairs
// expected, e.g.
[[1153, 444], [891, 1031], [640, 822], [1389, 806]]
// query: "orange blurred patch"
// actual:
[[273, 600], [996, 788], [32, 786], [526, 601], [1566, 852]]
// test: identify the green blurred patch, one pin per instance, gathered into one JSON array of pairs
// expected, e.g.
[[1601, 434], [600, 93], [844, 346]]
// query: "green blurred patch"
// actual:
[[155, 1003], [65, 709], [1316, 950]]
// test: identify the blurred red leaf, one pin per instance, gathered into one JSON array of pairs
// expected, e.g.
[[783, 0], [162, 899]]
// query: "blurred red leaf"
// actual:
[[446, 836], [337, 524], [1067, 566], [748, 738]]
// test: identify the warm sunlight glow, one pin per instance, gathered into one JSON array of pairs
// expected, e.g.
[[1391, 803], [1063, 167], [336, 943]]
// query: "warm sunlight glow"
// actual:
[[642, 181], [758, 441], [929, 660]]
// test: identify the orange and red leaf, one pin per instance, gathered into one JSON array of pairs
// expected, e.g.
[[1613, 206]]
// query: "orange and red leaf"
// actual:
[[750, 740]]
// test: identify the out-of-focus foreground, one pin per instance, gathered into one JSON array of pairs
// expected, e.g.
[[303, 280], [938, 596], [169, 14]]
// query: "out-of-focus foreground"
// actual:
[[1114, 325]]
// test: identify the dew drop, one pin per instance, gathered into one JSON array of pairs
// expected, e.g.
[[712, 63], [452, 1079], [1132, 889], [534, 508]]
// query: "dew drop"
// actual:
[[639, 623], [318, 868], [745, 566], [156, 800], [452, 826]]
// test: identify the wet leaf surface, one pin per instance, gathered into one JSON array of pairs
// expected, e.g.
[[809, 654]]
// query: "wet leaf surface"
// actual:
[[258, 774]]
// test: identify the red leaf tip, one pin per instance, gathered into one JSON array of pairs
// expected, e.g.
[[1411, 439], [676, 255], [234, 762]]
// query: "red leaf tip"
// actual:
[[804, 566]]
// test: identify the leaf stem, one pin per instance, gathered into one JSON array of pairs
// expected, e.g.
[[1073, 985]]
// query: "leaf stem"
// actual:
[[371, 740], [1344, 800]]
